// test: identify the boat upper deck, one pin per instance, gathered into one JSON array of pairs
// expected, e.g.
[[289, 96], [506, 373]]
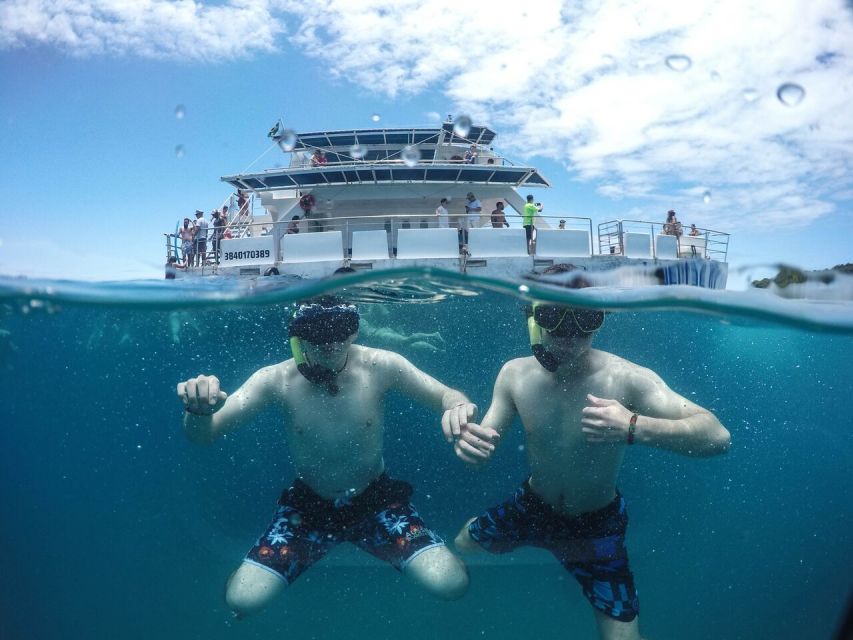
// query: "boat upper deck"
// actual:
[[373, 156]]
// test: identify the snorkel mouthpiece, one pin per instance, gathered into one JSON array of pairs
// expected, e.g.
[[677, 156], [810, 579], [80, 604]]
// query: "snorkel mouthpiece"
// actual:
[[544, 357]]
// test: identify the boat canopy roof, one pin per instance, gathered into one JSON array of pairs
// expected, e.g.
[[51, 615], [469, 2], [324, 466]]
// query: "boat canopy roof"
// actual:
[[482, 136], [383, 173]]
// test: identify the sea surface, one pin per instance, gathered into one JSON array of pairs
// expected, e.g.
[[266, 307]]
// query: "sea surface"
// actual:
[[115, 526]]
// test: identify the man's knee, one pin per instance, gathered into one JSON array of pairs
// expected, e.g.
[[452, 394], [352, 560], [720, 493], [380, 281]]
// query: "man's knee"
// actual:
[[439, 572], [464, 542], [250, 589]]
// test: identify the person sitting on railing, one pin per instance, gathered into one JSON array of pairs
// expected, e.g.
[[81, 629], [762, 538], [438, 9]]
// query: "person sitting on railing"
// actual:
[[672, 227], [498, 216], [694, 231], [562, 224], [471, 155], [318, 158], [293, 225]]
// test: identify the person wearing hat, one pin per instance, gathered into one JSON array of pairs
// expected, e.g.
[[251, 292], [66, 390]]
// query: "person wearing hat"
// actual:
[[329, 399]]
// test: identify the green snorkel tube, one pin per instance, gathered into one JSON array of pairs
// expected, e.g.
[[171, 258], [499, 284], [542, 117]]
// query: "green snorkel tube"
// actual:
[[544, 357]]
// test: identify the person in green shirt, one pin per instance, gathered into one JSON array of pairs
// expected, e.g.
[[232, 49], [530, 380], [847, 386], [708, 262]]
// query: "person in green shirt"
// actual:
[[527, 215]]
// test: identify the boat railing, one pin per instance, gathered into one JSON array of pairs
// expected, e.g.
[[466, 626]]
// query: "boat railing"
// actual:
[[627, 238], [660, 240], [395, 156]]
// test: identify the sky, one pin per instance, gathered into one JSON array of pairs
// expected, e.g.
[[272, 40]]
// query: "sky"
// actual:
[[119, 117]]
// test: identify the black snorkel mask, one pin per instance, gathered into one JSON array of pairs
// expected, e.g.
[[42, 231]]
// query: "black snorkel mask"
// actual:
[[559, 321], [319, 324]]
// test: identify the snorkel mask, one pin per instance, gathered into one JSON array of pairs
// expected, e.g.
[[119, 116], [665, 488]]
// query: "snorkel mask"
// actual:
[[559, 321], [320, 324]]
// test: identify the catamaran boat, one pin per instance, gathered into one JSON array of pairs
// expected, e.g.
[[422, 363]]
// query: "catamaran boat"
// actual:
[[367, 199]]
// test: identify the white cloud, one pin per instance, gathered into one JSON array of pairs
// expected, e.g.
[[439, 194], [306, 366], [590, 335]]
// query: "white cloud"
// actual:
[[147, 28], [586, 84], [589, 85]]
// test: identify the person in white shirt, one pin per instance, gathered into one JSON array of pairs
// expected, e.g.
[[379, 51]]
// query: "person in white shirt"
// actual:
[[442, 214]]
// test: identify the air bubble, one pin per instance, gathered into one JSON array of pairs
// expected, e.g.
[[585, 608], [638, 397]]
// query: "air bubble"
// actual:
[[375, 117], [180, 151], [411, 156], [523, 288], [790, 94], [462, 126], [706, 197], [180, 112], [357, 151], [295, 519], [750, 95], [521, 447], [287, 140], [679, 62]]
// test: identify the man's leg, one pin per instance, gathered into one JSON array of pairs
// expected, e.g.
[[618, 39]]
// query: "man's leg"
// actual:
[[610, 629], [464, 542], [439, 572], [250, 589]]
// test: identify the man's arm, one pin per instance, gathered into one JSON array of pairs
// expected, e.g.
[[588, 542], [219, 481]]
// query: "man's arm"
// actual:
[[665, 419], [211, 413], [426, 390], [476, 442]]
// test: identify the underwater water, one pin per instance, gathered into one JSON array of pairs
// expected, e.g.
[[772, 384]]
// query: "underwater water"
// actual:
[[115, 526]]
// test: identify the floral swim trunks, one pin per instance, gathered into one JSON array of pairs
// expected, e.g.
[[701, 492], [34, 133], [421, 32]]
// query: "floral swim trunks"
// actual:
[[590, 546], [305, 526]]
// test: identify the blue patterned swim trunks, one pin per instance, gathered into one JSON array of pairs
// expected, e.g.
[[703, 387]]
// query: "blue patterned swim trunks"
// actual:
[[591, 546], [305, 526]]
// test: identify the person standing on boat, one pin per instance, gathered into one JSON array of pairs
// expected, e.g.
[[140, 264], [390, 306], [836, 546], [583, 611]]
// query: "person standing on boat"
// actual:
[[201, 227], [442, 214], [187, 235], [527, 215], [581, 410], [331, 395], [219, 222], [498, 216], [473, 209]]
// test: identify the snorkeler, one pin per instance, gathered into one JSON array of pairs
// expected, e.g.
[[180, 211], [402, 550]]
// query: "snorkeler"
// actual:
[[581, 408], [332, 391]]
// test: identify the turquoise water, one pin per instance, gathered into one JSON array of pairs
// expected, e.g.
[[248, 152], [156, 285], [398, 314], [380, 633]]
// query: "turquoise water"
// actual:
[[116, 527]]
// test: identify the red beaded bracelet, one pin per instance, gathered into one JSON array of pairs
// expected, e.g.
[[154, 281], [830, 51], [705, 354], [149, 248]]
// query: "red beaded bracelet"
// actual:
[[632, 427]]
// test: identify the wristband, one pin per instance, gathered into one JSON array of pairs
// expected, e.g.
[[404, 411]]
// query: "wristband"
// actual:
[[632, 427]]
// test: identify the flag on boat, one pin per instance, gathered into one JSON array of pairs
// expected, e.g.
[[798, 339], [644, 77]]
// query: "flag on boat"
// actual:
[[276, 129]]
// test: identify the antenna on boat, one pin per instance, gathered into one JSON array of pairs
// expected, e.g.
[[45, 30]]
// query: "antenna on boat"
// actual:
[[275, 134]]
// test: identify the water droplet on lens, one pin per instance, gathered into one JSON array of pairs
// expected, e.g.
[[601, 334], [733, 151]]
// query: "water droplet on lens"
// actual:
[[678, 62], [706, 197], [375, 117], [357, 151], [790, 94], [716, 77], [750, 95], [411, 156], [180, 151], [180, 112], [287, 140], [462, 126]]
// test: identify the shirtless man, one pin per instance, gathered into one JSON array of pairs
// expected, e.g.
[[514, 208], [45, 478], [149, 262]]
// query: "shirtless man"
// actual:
[[580, 408], [330, 395]]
